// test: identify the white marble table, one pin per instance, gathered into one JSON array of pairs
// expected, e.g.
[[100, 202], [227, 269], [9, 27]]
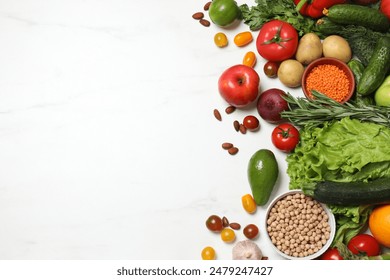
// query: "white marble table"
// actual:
[[108, 145]]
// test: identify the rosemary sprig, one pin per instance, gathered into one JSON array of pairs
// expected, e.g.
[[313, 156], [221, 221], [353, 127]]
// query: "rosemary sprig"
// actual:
[[314, 112]]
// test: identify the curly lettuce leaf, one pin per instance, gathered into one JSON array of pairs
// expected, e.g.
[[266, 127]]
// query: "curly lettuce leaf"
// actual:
[[342, 151]]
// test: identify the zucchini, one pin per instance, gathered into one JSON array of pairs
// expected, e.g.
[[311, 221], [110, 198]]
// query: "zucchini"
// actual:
[[350, 194], [377, 68], [358, 15]]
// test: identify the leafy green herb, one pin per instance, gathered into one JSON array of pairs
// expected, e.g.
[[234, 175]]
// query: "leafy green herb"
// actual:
[[312, 113], [265, 10]]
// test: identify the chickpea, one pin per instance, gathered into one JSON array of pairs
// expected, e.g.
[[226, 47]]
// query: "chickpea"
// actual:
[[298, 225]]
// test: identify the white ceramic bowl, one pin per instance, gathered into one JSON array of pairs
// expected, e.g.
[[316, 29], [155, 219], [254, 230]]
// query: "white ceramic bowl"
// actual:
[[331, 221]]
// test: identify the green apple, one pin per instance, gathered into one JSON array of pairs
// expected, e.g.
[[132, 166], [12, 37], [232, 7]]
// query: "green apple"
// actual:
[[382, 94]]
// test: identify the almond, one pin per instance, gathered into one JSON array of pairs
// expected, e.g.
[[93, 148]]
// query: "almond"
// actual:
[[217, 115], [225, 222], [207, 6], [235, 226], [227, 146], [236, 125], [204, 22], [242, 129], [198, 15], [233, 150], [230, 109]]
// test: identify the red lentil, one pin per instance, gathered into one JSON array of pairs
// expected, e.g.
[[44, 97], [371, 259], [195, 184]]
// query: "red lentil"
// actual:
[[329, 80]]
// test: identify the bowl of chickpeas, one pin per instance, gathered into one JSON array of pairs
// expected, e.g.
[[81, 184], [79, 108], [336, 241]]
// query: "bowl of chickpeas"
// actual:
[[298, 226]]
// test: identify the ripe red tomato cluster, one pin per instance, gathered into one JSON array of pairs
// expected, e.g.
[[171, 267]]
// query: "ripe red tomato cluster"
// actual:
[[361, 244]]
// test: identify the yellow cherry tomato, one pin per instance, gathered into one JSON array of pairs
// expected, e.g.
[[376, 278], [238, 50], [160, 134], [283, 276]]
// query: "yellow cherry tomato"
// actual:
[[220, 40], [228, 235], [249, 59], [208, 253], [249, 203], [243, 38]]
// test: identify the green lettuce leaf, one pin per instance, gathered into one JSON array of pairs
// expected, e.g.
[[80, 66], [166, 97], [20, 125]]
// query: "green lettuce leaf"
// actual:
[[343, 151]]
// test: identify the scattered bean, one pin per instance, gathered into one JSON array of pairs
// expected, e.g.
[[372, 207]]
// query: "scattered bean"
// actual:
[[235, 226], [198, 15], [233, 150], [242, 129], [227, 145], [217, 115], [204, 22], [236, 125], [225, 222], [230, 109], [207, 6]]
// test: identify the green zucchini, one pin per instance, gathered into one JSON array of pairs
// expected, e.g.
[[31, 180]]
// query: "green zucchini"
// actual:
[[350, 194], [377, 68], [358, 15]]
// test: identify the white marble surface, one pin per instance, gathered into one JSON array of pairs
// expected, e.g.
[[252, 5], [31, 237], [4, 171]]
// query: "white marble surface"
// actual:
[[108, 145]]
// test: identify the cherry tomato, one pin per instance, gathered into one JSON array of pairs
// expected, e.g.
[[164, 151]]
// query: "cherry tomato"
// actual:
[[331, 254], [228, 235], [214, 223], [251, 231], [277, 40], [251, 122], [243, 38], [220, 40], [285, 137], [208, 253], [364, 243], [249, 59], [271, 69], [249, 203]]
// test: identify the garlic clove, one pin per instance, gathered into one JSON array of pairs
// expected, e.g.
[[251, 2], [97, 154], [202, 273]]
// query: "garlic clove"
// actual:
[[247, 250]]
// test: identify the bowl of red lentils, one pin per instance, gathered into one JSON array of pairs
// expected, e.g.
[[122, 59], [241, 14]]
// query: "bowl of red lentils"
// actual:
[[329, 76], [298, 226]]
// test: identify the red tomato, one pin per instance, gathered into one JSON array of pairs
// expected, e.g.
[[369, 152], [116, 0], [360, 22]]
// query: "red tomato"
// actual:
[[277, 40], [385, 8], [285, 137], [251, 122], [271, 69], [364, 243], [331, 254]]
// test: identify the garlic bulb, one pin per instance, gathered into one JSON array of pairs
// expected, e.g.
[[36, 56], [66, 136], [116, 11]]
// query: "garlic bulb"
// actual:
[[247, 250]]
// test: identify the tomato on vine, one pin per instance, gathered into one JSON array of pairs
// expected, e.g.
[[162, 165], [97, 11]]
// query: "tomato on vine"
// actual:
[[364, 244], [285, 137], [277, 40], [331, 254]]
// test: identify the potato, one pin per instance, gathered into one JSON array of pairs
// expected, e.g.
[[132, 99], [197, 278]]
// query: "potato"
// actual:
[[337, 47], [290, 73], [309, 48]]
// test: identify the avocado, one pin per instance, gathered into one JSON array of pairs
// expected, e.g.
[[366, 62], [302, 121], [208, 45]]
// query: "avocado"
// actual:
[[263, 172]]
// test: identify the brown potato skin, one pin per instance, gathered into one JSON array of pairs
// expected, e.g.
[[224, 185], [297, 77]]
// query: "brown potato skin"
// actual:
[[309, 48]]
